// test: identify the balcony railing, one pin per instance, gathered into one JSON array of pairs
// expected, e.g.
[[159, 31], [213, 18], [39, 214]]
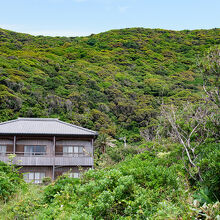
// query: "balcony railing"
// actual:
[[23, 154], [43, 154], [45, 159], [83, 154], [31, 154]]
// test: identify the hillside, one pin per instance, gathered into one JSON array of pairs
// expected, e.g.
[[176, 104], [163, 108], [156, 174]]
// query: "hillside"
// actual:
[[142, 84], [111, 82]]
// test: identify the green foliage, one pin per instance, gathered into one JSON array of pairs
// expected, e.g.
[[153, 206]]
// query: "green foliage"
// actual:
[[210, 69], [46, 180], [10, 181], [111, 82], [115, 82], [61, 183], [24, 204], [150, 185], [135, 188], [209, 163]]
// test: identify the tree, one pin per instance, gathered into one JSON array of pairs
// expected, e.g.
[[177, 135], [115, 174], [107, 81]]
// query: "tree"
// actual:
[[193, 124], [190, 126], [103, 142]]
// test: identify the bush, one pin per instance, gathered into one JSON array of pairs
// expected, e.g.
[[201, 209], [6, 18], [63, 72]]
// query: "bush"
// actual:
[[46, 180], [134, 188], [55, 188], [210, 168], [10, 181]]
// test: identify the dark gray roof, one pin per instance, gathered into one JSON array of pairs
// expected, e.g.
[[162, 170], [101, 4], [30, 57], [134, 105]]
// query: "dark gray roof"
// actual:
[[44, 126]]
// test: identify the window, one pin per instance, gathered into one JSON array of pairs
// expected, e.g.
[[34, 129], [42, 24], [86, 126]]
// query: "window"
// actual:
[[34, 150], [74, 175], [3, 149], [34, 177], [73, 151]]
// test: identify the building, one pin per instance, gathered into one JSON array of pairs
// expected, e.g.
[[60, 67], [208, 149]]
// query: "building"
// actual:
[[46, 147]]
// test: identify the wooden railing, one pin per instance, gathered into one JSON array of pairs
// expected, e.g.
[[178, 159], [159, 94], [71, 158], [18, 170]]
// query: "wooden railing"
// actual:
[[31, 154], [23, 154], [49, 159], [43, 154], [62, 154]]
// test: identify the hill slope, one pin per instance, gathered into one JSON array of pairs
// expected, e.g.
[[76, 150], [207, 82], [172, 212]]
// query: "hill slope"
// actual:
[[111, 82]]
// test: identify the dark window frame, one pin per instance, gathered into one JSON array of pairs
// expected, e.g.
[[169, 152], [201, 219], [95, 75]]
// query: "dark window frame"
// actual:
[[35, 151], [74, 153]]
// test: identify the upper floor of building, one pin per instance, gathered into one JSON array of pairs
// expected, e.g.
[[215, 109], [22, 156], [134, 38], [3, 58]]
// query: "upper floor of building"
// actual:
[[46, 142]]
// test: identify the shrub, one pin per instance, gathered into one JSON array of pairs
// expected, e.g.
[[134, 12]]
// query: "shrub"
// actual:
[[55, 188], [134, 188], [10, 181], [46, 180], [208, 159]]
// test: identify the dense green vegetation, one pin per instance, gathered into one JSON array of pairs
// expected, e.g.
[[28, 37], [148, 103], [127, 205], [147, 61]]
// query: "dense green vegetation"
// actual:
[[158, 89], [150, 185], [10, 181], [111, 82]]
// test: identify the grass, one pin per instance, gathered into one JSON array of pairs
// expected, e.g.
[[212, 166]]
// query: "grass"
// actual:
[[31, 196]]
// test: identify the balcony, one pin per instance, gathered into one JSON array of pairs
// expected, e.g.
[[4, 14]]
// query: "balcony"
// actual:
[[43, 159]]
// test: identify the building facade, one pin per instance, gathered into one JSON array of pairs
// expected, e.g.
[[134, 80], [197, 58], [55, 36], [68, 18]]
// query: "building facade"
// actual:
[[46, 147]]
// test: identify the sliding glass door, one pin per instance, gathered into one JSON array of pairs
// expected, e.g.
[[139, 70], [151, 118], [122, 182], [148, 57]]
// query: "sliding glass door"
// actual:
[[34, 150], [73, 151], [3, 150]]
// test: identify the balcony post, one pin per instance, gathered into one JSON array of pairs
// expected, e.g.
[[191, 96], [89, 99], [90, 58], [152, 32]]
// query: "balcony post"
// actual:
[[92, 153], [14, 145], [53, 154]]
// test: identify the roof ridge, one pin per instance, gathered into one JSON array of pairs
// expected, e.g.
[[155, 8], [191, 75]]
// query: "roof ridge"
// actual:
[[39, 119], [72, 125]]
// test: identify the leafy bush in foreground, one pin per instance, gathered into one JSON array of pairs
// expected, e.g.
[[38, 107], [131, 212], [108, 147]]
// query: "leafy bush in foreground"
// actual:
[[135, 188], [10, 180], [150, 185], [209, 161], [26, 203]]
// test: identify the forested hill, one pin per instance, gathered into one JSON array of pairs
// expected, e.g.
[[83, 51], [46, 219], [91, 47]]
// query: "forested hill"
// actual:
[[112, 82]]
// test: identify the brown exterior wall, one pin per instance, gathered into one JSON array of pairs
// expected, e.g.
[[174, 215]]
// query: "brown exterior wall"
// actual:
[[36, 164], [59, 150], [19, 149], [9, 148]]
